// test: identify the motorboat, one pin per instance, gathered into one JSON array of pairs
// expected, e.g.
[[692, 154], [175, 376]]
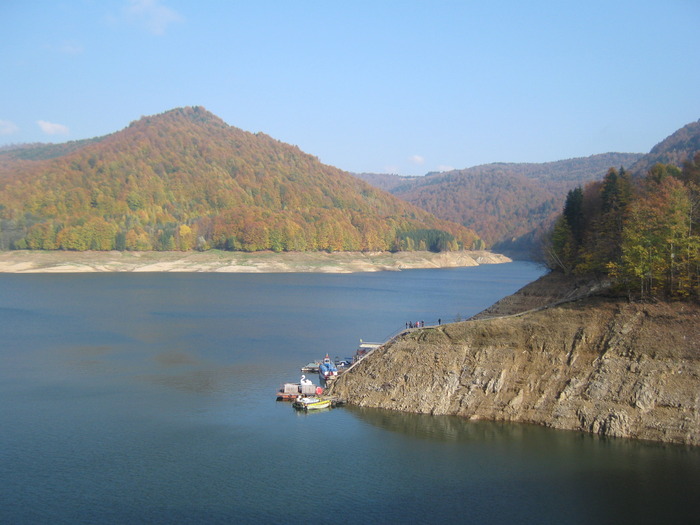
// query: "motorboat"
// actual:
[[343, 363], [311, 403], [327, 369]]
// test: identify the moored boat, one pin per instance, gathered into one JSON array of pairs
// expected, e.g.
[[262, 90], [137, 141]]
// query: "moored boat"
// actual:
[[311, 367], [292, 391], [327, 369], [289, 392], [311, 403], [342, 363]]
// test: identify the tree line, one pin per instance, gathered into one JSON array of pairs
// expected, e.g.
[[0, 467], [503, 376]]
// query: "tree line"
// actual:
[[643, 232]]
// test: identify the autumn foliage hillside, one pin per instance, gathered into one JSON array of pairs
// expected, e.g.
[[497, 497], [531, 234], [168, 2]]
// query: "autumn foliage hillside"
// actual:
[[675, 149], [642, 232], [640, 227], [501, 201], [186, 180]]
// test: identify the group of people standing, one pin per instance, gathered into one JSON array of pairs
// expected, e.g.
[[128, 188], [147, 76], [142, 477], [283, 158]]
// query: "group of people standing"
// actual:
[[419, 324]]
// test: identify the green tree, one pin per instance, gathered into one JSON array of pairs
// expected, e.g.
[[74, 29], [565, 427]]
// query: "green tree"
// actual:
[[561, 252], [41, 237], [573, 213], [659, 249], [616, 194]]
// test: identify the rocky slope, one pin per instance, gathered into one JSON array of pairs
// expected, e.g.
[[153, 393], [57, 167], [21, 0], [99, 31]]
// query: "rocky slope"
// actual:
[[596, 364]]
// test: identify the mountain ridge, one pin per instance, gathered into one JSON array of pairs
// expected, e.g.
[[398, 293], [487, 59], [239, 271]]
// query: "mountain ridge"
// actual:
[[679, 147], [501, 201], [512, 204]]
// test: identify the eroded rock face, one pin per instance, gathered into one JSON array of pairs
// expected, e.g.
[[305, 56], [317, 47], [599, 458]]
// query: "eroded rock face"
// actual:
[[598, 365]]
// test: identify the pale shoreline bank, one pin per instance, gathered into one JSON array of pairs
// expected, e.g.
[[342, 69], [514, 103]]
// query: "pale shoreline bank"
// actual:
[[27, 261]]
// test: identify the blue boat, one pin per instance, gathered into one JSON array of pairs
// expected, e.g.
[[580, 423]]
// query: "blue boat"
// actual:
[[327, 369]]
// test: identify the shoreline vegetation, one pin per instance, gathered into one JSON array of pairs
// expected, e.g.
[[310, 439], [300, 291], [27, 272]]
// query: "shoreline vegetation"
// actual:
[[35, 261]]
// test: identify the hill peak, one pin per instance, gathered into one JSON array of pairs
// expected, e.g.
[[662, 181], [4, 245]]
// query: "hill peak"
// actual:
[[184, 179], [191, 114]]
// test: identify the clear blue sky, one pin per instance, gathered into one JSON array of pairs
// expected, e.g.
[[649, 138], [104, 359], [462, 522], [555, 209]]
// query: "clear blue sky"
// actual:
[[385, 86]]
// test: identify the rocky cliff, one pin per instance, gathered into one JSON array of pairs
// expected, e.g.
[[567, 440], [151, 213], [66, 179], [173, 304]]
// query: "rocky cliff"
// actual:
[[596, 364]]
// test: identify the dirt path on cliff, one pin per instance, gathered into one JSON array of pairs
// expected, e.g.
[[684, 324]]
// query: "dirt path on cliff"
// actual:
[[549, 290]]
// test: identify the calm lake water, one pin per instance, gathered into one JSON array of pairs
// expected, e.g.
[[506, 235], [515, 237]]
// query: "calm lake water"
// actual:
[[149, 398]]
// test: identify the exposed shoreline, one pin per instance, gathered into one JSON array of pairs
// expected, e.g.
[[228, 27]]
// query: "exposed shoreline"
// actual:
[[560, 352], [27, 261]]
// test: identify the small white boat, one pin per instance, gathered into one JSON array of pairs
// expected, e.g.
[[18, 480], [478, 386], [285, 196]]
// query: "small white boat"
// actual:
[[311, 403]]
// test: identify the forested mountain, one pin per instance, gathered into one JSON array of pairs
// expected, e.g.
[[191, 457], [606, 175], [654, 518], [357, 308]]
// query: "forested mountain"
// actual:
[[41, 151], [675, 149], [501, 201], [186, 180]]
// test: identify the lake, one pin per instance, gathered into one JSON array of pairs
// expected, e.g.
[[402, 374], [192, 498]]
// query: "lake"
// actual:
[[149, 398]]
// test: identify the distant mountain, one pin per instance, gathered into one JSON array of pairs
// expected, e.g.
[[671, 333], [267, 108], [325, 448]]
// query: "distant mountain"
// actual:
[[185, 179], [40, 151], [389, 182], [501, 201], [675, 149]]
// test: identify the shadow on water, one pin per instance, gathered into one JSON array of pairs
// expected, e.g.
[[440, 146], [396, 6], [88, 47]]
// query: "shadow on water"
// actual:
[[439, 428], [608, 480]]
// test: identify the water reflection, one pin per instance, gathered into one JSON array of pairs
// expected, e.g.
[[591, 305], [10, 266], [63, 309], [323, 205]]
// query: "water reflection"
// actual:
[[438, 428], [606, 480]]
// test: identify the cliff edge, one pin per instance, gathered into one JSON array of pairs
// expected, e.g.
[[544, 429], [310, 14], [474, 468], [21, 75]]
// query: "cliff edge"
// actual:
[[574, 360]]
